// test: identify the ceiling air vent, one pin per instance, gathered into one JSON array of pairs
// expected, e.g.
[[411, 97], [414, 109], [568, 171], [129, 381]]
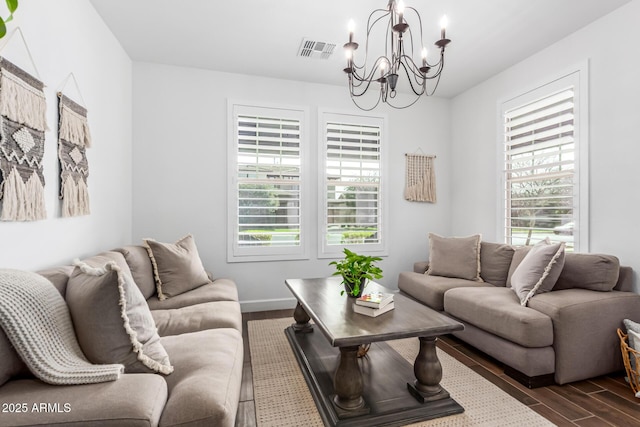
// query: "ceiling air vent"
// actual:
[[315, 49]]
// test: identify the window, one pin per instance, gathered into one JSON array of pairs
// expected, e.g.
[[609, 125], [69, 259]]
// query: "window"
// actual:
[[266, 194], [352, 198], [544, 155]]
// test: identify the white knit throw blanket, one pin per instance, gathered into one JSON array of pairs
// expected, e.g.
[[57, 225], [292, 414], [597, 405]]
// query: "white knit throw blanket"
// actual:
[[36, 320]]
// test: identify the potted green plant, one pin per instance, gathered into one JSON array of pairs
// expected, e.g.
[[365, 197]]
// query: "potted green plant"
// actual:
[[356, 270]]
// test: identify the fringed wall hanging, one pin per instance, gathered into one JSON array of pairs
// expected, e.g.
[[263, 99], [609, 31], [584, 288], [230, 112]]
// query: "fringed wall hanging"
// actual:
[[420, 178], [22, 125], [73, 140]]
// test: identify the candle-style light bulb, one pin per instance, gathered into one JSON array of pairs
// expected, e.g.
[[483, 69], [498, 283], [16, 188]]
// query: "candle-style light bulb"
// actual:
[[351, 27], [383, 68], [424, 56], [444, 21], [400, 10]]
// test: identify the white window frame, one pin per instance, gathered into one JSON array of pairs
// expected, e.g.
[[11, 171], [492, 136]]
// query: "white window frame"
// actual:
[[578, 78], [235, 252], [333, 251]]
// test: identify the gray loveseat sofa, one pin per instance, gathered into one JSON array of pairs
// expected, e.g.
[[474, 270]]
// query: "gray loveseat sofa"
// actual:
[[565, 335], [200, 330]]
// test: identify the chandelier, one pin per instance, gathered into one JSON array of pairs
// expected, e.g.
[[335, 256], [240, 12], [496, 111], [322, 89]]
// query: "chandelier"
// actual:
[[396, 65]]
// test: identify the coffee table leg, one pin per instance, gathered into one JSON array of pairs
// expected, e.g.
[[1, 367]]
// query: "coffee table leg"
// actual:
[[428, 372], [301, 317], [348, 384]]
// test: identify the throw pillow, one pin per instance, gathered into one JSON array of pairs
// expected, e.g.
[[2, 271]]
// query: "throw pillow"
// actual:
[[538, 271], [112, 319], [632, 326], [177, 266], [633, 334], [495, 259], [457, 257], [518, 255]]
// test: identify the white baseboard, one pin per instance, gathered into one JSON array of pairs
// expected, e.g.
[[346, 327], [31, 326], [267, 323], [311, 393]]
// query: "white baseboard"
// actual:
[[267, 305]]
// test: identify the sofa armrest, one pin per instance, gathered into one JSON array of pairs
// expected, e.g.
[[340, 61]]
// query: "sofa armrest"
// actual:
[[420, 267], [625, 280], [584, 329]]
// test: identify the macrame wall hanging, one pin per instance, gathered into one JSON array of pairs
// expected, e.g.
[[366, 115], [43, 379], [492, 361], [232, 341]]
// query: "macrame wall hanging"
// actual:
[[22, 125], [420, 178], [73, 140]]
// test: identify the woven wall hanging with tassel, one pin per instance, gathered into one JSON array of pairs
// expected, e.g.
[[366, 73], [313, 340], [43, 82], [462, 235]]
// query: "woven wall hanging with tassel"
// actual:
[[23, 110], [73, 140], [420, 178]]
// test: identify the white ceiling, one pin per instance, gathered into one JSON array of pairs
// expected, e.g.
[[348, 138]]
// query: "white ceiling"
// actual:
[[262, 37]]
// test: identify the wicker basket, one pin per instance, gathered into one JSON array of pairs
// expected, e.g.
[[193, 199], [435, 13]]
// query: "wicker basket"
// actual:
[[629, 355]]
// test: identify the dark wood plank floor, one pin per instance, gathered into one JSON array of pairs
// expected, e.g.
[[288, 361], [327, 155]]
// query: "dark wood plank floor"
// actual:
[[602, 401]]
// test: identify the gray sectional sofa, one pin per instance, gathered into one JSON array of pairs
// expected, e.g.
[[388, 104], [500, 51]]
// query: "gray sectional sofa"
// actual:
[[563, 335], [201, 331]]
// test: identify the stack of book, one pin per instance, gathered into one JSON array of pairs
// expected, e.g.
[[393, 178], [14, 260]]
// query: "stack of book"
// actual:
[[374, 304]]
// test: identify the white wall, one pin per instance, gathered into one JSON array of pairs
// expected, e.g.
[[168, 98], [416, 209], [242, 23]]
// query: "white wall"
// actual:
[[614, 89], [68, 36], [180, 171]]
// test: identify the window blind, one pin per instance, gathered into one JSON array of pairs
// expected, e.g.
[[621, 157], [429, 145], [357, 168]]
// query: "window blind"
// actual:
[[268, 181], [539, 169], [352, 184]]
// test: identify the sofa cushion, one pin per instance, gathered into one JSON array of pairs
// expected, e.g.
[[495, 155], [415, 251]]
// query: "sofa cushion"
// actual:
[[530, 361], [11, 364], [135, 400], [199, 317], [589, 271], [430, 290], [538, 271], [498, 311], [495, 259], [218, 290], [204, 390], [177, 266], [112, 320], [141, 268], [454, 257], [59, 276]]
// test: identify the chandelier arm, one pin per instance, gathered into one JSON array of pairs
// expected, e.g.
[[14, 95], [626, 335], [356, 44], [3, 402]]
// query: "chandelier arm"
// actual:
[[411, 32], [366, 50], [404, 66], [440, 68], [369, 29], [369, 77], [439, 63], [434, 87], [366, 109], [413, 70], [353, 93], [402, 107]]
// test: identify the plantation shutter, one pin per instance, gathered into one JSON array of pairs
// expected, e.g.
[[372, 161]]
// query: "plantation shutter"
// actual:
[[352, 184], [539, 169], [268, 181]]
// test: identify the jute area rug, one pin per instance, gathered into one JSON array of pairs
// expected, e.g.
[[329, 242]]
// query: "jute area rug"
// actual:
[[282, 398]]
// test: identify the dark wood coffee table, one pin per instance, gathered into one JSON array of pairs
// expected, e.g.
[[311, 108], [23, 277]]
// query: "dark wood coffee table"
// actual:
[[343, 394]]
